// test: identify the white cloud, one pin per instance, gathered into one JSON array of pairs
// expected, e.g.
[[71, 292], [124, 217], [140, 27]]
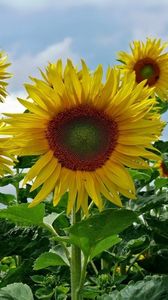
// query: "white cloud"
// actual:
[[165, 131], [28, 64], [148, 18], [134, 20], [11, 104], [10, 189], [149, 23]]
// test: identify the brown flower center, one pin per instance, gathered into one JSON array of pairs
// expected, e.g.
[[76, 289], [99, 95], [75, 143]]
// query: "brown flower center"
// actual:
[[147, 68], [82, 137]]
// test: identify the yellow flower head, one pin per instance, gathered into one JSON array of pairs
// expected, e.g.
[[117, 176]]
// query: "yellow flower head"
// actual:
[[162, 166], [3, 75], [149, 62], [5, 159], [85, 132]]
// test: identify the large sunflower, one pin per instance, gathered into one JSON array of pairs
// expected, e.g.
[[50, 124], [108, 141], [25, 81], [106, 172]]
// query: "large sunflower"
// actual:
[[150, 62], [3, 75], [85, 132]]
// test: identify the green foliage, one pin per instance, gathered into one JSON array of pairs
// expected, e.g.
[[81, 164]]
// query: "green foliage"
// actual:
[[16, 291], [24, 162], [88, 234], [14, 180], [162, 146], [48, 259], [7, 199], [21, 241], [141, 175], [104, 244], [152, 287], [49, 287], [161, 182], [23, 215], [162, 105]]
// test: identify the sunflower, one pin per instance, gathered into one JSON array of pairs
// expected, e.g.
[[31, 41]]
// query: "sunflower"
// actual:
[[162, 166], [85, 132], [3, 75], [5, 159], [149, 62]]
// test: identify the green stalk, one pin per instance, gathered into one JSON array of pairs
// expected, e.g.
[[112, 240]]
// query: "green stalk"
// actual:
[[17, 187], [82, 277], [75, 262]]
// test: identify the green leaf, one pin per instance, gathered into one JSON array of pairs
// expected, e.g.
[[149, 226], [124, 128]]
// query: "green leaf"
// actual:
[[48, 259], [26, 161], [11, 179], [23, 215], [49, 220], [38, 278], [7, 199], [88, 233], [104, 245], [161, 182], [24, 193], [60, 251], [162, 105], [16, 291], [139, 175], [161, 146], [152, 287], [44, 293], [90, 292], [145, 203], [137, 245]]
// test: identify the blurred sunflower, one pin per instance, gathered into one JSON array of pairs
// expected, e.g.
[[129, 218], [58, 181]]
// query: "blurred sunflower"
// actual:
[[85, 132], [162, 166], [3, 75], [149, 62], [5, 159]]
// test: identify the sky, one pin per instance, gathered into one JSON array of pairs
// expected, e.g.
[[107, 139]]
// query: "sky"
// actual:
[[34, 32]]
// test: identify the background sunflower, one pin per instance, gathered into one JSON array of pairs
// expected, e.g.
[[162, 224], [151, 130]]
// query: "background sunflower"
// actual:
[[150, 62], [162, 165], [5, 159], [3, 75]]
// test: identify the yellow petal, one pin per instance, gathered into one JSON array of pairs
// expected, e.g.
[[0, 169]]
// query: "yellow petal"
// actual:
[[38, 166], [92, 191], [46, 189], [50, 168], [72, 193], [110, 194]]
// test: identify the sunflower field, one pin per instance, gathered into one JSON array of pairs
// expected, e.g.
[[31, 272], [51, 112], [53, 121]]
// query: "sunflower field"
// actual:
[[89, 215]]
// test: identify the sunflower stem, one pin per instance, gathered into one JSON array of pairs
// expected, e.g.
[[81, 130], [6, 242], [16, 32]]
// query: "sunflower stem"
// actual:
[[75, 262], [17, 186], [82, 277]]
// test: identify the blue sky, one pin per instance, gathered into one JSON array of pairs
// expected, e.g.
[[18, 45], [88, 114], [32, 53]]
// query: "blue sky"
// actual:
[[34, 32]]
